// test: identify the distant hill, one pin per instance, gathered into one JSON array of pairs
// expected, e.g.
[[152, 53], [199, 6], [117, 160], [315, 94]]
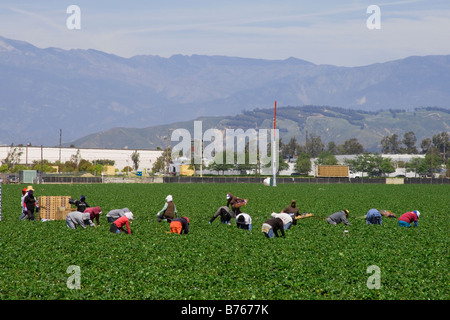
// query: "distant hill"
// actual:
[[330, 123], [86, 91]]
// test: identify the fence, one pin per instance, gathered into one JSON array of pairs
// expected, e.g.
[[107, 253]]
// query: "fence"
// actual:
[[290, 180], [427, 181], [280, 180], [72, 179]]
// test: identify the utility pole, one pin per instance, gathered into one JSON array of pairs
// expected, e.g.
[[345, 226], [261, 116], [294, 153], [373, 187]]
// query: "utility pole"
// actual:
[[42, 162], [167, 152], [274, 156], [60, 135], [306, 141]]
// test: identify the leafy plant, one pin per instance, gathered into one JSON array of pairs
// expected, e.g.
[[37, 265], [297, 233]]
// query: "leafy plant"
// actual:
[[218, 261]]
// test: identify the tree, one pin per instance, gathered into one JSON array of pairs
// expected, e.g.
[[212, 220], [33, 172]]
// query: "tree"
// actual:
[[18, 167], [447, 167], [127, 169], [390, 145], [332, 147], [372, 164], [84, 166], [291, 149], [161, 162], [409, 140], [246, 165], [387, 166], [351, 146], [219, 163], [282, 165], [326, 158], [314, 145], [416, 165], [104, 162], [43, 166], [13, 157], [70, 166], [97, 169], [432, 160], [425, 145], [135, 159], [442, 143], [75, 159], [303, 163]]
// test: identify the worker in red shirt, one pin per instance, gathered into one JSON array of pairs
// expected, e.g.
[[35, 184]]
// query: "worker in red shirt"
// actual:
[[407, 218], [117, 226]]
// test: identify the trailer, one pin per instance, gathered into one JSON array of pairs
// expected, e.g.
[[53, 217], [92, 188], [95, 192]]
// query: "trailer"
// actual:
[[332, 171]]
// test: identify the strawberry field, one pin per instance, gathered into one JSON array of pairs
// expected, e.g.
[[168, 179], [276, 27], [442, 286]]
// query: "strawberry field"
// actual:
[[315, 261]]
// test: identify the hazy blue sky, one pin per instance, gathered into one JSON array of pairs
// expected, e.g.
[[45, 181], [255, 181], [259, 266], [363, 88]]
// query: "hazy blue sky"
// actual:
[[323, 32]]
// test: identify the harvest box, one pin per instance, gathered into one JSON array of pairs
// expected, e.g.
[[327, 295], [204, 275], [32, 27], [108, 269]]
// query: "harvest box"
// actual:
[[332, 171], [54, 207]]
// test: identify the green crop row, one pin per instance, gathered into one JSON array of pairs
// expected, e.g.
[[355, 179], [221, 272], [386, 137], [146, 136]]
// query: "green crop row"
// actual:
[[221, 262]]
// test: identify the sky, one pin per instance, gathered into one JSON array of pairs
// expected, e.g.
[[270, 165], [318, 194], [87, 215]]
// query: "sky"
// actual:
[[321, 31]]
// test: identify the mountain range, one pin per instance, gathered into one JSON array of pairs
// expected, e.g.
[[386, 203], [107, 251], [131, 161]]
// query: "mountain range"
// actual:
[[328, 123], [45, 91]]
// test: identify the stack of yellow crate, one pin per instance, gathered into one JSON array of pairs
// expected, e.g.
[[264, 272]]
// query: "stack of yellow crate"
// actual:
[[54, 207]]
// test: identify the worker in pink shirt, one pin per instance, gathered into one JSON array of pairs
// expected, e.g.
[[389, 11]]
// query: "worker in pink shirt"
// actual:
[[407, 218]]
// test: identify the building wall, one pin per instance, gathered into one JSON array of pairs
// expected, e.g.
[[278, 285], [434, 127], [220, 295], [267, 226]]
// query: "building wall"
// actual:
[[122, 157]]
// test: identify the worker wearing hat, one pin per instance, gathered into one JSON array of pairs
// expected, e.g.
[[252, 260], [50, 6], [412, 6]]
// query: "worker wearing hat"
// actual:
[[169, 211], [24, 208], [117, 226], [407, 218], [338, 217], [80, 204], [30, 204], [373, 216]]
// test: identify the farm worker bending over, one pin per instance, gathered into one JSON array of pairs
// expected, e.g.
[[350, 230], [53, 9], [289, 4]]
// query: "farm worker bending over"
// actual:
[[115, 214], [373, 216], [225, 215], [80, 204], [169, 211], [387, 214], [338, 217], [117, 226], [179, 225], [270, 227], [235, 203], [286, 217], [94, 213], [407, 218], [244, 221], [77, 218]]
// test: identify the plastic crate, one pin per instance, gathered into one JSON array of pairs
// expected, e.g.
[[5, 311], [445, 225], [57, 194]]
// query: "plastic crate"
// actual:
[[54, 207]]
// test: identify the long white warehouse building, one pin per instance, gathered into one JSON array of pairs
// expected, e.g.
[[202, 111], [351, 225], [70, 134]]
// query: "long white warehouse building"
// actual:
[[122, 157]]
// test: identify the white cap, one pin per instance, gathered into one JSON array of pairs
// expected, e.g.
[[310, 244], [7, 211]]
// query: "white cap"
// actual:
[[169, 198], [417, 212], [129, 215]]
